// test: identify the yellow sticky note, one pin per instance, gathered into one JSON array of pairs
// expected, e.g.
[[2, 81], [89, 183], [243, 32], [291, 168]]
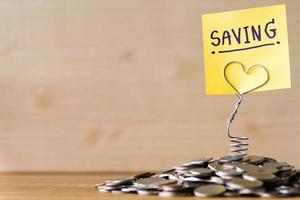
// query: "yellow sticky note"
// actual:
[[253, 37]]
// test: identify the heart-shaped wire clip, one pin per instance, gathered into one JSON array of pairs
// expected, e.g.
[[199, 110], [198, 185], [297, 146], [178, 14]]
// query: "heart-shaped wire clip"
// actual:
[[245, 71]]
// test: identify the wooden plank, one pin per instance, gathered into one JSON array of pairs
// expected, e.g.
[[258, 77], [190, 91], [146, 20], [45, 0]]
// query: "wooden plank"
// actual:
[[119, 85]]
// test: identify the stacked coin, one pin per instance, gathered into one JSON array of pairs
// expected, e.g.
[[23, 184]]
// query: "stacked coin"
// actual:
[[206, 177]]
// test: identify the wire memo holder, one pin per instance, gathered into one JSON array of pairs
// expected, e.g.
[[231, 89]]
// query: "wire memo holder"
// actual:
[[239, 144]]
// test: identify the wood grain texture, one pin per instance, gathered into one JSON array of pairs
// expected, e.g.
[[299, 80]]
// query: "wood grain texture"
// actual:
[[55, 186], [119, 85]]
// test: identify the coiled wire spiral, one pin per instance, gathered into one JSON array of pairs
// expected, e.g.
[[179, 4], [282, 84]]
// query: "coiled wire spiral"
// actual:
[[238, 145]]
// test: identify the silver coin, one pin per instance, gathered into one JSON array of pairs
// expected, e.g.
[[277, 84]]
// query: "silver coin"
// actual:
[[247, 167], [272, 164], [228, 165], [118, 182], [173, 177], [268, 169], [246, 191], [147, 192], [181, 168], [189, 165], [109, 188], [192, 179], [217, 180], [103, 190], [230, 158], [231, 194], [165, 175], [173, 193], [129, 189], [268, 159], [268, 194], [244, 159], [173, 187], [239, 183], [283, 187], [209, 190], [226, 177], [190, 184], [262, 176], [169, 171], [143, 175], [229, 172], [215, 166], [293, 173], [202, 172], [116, 191], [286, 168], [152, 182], [256, 159], [287, 174], [201, 161], [288, 190]]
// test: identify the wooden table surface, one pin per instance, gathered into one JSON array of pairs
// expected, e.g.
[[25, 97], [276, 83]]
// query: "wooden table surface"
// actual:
[[43, 186]]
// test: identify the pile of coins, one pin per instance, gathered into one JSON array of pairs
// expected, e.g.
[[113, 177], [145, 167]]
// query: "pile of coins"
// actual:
[[206, 177]]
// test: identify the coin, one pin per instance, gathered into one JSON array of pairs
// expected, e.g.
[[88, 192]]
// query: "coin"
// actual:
[[247, 191], [172, 187], [230, 158], [217, 180], [268, 159], [181, 168], [152, 182], [201, 161], [103, 190], [173, 193], [129, 190], [209, 190], [256, 159], [215, 166], [229, 172], [269, 194], [239, 183], [191, 184], [288, 190], [286, 168], [108, 188], [231, 194], [201, 172], [262, 176], [247, 167], [272, 164], [118, 182], [143, 175], [147, 192], [269, 169], [191, 179], [116, 191]]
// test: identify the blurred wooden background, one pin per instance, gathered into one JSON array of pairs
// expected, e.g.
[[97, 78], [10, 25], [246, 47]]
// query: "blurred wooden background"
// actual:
[[119, 86]]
